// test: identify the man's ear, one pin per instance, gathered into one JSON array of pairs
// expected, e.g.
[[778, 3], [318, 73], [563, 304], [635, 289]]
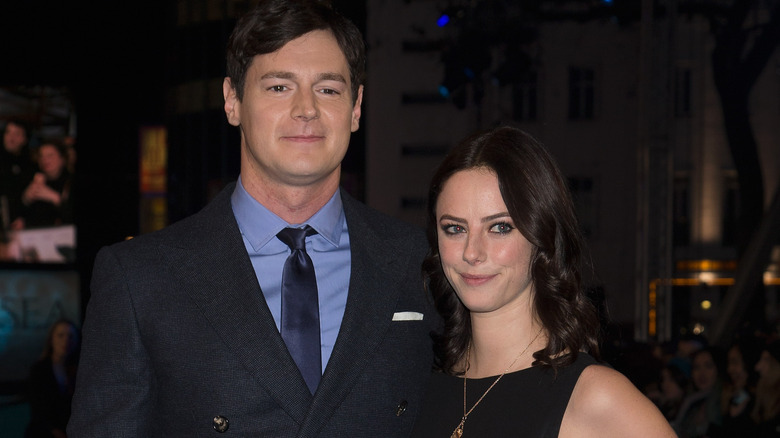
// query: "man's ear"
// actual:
[[356, 110], [232, 104]]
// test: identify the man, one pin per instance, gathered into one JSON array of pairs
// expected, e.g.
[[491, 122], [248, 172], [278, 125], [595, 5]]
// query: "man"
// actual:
[[16, 171], [182, 332]]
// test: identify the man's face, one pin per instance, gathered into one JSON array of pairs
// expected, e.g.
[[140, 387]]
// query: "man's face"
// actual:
[[14, 138], [296, 115]]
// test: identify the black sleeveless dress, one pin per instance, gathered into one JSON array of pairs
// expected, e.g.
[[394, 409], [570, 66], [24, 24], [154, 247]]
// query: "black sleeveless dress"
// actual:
[[528, 403]]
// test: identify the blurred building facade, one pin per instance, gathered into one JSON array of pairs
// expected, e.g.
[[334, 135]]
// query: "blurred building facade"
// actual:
[[631, 113]]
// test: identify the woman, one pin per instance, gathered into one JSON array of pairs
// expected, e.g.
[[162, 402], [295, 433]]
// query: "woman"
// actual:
[[52, 379], [673, 388], [766, 412], [504, 272], [739, 389], [700, 414], [47, 199]]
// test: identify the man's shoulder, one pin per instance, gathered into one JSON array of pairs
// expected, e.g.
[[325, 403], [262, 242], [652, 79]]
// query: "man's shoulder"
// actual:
[[196, 229]]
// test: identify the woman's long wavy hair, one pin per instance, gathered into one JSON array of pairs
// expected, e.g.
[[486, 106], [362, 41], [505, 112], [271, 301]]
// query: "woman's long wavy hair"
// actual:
[[538, 200]]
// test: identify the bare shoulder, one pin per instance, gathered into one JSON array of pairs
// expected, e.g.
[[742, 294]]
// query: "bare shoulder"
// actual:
[[605, 403]]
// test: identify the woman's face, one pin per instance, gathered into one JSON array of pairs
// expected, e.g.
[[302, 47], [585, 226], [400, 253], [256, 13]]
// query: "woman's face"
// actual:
[[485, 258], [50, 161], [735, 367], [768, 368], [14, 138], [704, 372], [63, 340]]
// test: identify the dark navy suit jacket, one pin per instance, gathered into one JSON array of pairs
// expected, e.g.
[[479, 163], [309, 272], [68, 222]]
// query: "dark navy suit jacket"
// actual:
[[177, 332]]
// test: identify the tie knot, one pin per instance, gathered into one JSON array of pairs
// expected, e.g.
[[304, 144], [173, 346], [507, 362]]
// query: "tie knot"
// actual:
[[295, 238]]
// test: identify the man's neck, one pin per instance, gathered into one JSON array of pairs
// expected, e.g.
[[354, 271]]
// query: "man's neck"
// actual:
[[294, 204]]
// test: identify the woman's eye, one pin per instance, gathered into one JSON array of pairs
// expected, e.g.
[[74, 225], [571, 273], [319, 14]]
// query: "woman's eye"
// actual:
[[502, 228], [453, 228]]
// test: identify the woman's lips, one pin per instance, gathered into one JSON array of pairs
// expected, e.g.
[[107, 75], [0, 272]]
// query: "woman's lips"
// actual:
[[476, 280]]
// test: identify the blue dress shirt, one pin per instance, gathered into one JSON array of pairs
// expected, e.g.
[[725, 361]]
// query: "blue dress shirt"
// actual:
[[329, 251]]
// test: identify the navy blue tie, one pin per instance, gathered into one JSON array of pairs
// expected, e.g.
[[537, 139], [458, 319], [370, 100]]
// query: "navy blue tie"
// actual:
[[300, 324]]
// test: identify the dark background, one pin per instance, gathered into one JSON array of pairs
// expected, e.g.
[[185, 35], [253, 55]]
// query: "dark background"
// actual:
[[116, 58], [112, 55], [121, 60]]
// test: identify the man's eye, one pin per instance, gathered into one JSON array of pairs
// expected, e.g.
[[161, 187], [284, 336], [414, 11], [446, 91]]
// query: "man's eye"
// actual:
[[277, 88]]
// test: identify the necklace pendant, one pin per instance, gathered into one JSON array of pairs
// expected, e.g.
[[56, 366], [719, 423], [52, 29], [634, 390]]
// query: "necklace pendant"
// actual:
[[458, 432]]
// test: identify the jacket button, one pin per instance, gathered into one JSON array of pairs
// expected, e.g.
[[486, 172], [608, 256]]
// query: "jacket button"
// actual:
[[401, 408], [220, 424]]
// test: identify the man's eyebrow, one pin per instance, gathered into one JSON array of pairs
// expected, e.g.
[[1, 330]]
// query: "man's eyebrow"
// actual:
[[278, 75], [328, 76], [332, 77]]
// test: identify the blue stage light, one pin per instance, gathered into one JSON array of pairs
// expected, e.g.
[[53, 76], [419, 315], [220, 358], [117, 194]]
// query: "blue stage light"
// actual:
[[444, 91], [443, 20]]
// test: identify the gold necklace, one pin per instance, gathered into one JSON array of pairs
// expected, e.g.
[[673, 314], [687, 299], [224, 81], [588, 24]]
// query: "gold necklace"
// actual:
[[458, 432]]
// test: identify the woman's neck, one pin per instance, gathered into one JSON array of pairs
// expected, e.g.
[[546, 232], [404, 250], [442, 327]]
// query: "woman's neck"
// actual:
[[57, 358], [499, 346]]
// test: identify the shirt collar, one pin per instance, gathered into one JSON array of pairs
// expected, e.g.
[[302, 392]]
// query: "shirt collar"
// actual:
[[259, 225]]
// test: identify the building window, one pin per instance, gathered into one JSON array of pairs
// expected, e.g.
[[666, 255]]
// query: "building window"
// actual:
[[584, 196], [422, 98], [731, 208], [682, 92], [422, 46], [524, 97], [681, 211], [581, 92]]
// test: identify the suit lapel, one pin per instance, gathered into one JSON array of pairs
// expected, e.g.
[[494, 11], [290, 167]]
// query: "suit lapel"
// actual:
[[370, 305], [221, 281]]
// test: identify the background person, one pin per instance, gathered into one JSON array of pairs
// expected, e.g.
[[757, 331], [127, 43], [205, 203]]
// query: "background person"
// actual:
[[766, 412], [672, 389], [739, 389], [518, 353], [16, 170], [185, 331], [700, 413], [47, 199], [51, 382]]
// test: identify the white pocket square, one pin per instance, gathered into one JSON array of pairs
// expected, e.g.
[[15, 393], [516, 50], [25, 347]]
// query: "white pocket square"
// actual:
[[407, 316]]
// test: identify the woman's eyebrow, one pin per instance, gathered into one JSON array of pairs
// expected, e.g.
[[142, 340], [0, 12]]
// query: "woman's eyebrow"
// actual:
[[495, 216]]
